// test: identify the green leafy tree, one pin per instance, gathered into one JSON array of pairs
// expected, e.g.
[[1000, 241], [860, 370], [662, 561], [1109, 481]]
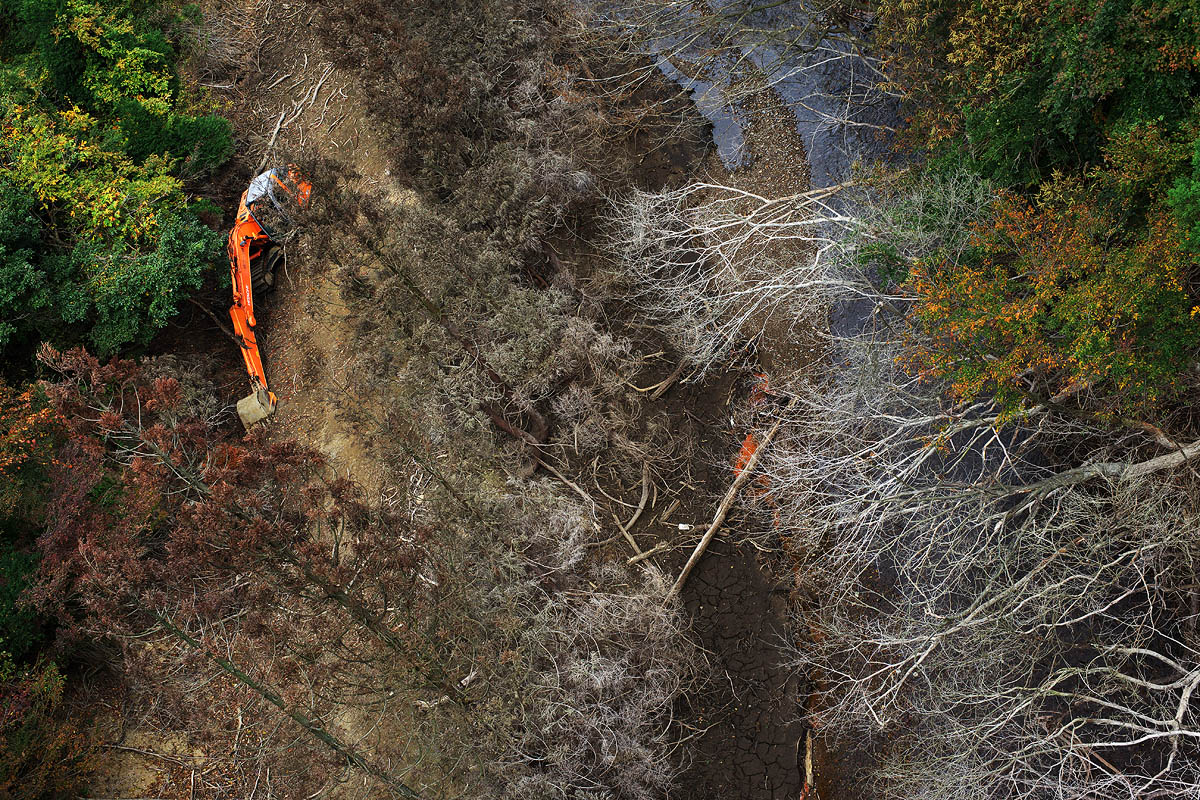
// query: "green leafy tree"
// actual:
[[1054, 300], [1184, 199], [1078, 286], [98, 241], [1020, 88]]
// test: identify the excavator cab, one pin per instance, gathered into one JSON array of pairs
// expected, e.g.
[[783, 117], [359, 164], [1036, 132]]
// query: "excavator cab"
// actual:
[[266, 221]]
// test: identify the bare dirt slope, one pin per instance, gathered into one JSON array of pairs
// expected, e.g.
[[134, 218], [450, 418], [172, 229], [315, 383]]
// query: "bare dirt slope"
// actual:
[[301, 102]]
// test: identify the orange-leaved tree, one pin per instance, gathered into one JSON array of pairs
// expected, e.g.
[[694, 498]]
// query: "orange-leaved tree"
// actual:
[[27, 441], [1056, 299]]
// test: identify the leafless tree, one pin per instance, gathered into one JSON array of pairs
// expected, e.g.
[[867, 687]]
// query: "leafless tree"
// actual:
[[714, 264], [1007, 599]]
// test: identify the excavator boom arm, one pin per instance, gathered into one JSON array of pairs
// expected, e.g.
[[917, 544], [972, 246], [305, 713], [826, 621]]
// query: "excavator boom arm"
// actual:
[[245, 237]]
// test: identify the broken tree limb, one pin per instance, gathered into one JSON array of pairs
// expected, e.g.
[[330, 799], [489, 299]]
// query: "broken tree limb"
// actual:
[[1155, 433], [313, 726], [275, 83], [658, 548], [661, 389], [1113, 470], [540, 459], [225, 329], [808, 763], [628, 536], [587, 498], [726, 504], [636, 514], [641, 506]]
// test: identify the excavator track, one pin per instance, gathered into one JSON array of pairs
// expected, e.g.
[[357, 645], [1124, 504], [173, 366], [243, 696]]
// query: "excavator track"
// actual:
[[264, 267]]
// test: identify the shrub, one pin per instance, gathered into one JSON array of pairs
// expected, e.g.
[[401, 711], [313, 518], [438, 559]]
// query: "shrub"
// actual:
[[606, 671], [43, 754]]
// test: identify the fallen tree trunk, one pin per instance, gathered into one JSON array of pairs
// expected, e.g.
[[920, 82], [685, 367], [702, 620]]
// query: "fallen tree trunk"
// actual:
[[1113, 470], [313, 727]]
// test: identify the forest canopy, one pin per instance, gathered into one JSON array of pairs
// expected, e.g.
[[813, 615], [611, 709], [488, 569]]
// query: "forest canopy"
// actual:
[[1086, 113], [516, 339], [99, 241]]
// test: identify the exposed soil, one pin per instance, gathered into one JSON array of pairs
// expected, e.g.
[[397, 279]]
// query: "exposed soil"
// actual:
[[753, 747], [746, 736], [749, 736], [754, 741]]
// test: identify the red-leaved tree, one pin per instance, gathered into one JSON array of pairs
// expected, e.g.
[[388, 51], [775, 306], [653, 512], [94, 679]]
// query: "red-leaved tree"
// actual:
[[248, 592]]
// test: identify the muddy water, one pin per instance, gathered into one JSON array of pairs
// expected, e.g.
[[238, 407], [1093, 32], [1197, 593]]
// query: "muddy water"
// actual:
[[831, 91]]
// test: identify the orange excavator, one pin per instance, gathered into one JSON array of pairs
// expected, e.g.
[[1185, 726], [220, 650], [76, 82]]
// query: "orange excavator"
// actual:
[[265, 223]]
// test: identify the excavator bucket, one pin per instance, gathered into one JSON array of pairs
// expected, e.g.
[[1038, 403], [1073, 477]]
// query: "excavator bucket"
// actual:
[[254, 408]]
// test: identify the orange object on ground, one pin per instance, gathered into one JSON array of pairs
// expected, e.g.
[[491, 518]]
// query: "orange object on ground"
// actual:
[[762, 485], [255, 249], [758, 396], [749, 448]]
